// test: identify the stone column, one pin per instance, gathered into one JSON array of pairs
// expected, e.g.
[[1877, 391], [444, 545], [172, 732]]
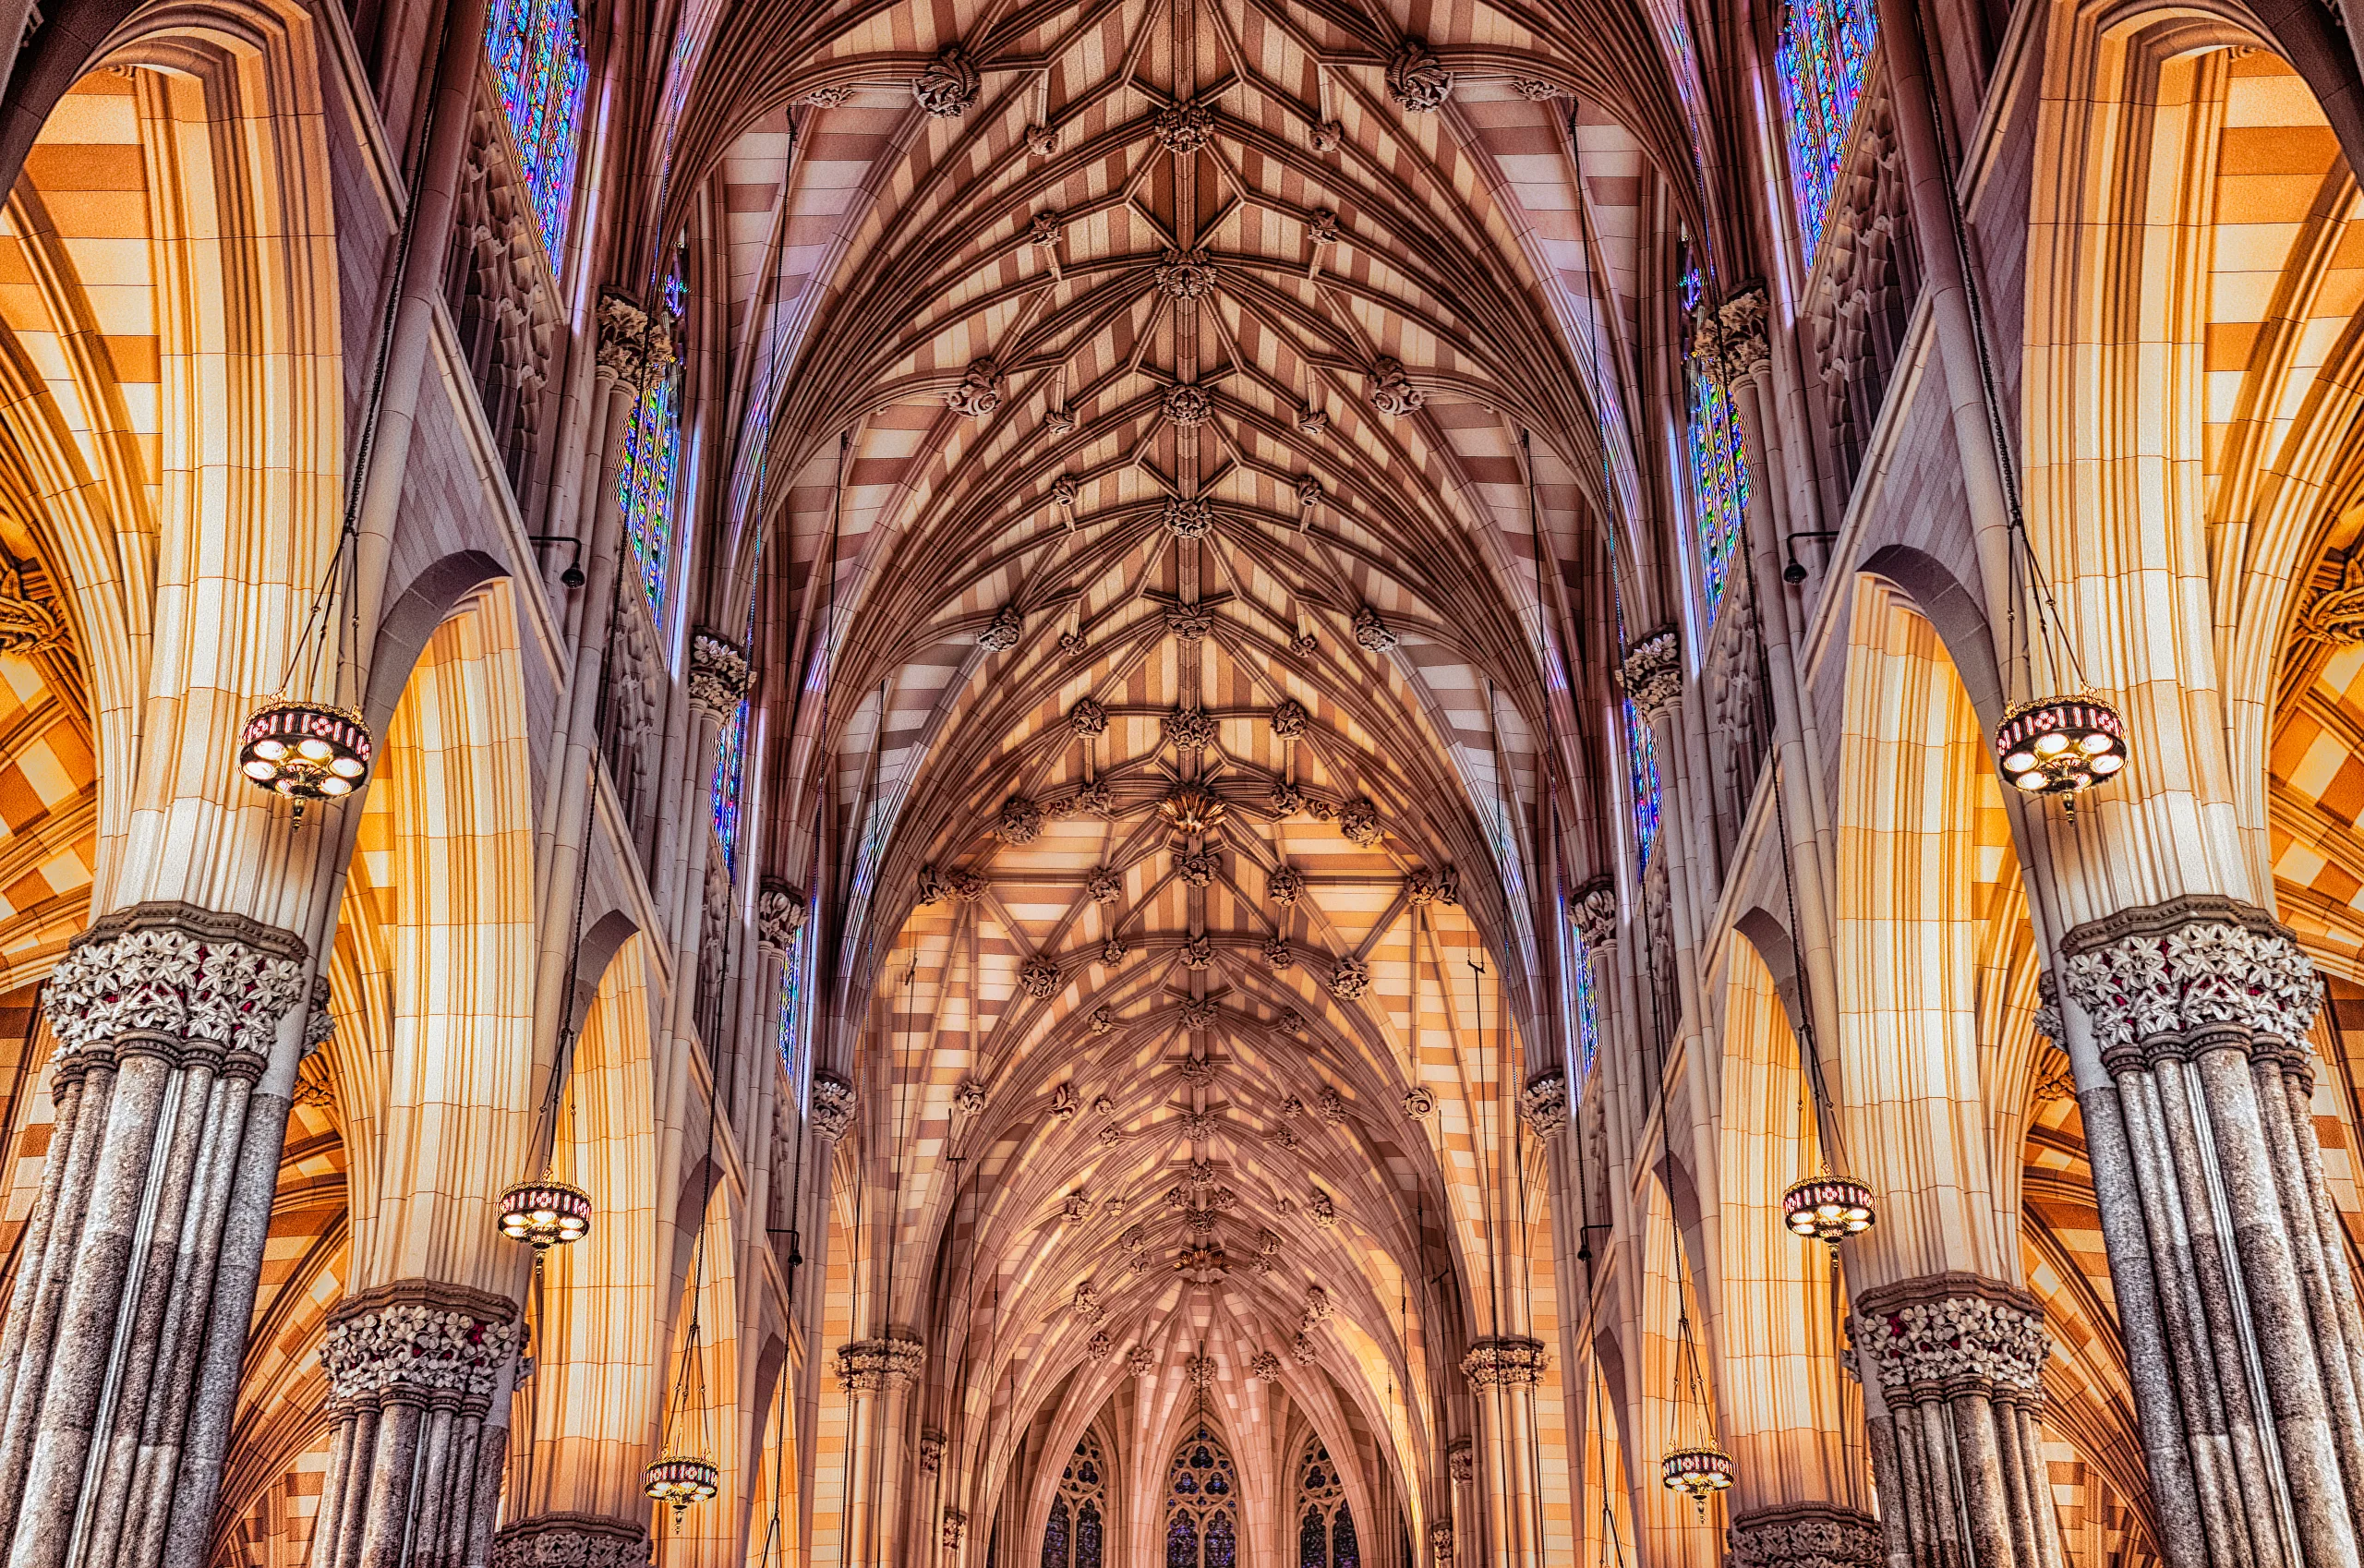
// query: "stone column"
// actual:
[[1502, 1372], [1958, 1360], [878, 1373], [571, 1541], [165, 1016], [2199, 1010], [1651, 677], [419, 1378], [1805, 1535]]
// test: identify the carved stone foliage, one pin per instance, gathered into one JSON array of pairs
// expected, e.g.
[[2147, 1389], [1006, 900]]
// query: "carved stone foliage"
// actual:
[[1441, 1543], [1104, 886], [1805, 1535], [1019, 821], [1945, 1334], [956, 1525], [1417, 79], [1425, 887], [971, 1097], [1185, 274], [1290, 720], [1349, 978], [1188, 407], [1285, 885], [1358, 820], [1066, 1103], [1184, 128], [718, 675], [1190, 727], [1459, 1462], [623, 338], [1652, 672], [1504, 1361], [1199, 952], [571, 1540], [1265, 1366], [868, 1365], [979, 392], [2188, 975], [1419, 1102], [1279, 953], [1088, 719], [1039, 976], [1187, 622], [1140, 1361], [948, 84], [1391, 391], [833, 1104], [1323, 1208], [779, 914], [27, 623], [176, 979], [1187, 519], [1372, 632], [1593, 909], [1002, 633], [1544, 1102], [419, 1344]]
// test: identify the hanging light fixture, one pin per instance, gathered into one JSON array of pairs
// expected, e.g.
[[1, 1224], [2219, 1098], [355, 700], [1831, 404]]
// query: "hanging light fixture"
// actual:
[[1697, 1473], [679, 1479], [1828, 1208], [545, 1214], [306, 751], [2060, 745]]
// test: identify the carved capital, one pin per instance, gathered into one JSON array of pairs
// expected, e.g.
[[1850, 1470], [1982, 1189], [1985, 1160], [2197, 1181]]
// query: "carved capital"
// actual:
[[319, 1024], [867, 1365], [780, 913], [931, 1451], [1652, 673], [571, 1540], [1741, 324], [2194, 974], [176, 981], [1460, 1462], [1593, 910], [718, 675], [1441, 1543], [1506, 1362], [1805, 1535], [418, 1342], [1946, 1335], [1544, 1102], [956, 1523], [833, 1104], [623, 339]]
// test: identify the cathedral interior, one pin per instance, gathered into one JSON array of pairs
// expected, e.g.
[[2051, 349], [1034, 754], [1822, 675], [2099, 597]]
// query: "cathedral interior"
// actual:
[[1181, 784]]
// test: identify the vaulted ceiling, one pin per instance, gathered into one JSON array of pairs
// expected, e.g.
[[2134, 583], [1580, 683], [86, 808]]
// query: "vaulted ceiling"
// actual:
[[1193, 430]]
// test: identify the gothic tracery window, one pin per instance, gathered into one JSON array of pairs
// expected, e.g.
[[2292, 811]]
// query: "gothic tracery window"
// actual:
[[1202, 1504], [729, 778], [1719, 463], [1642, 775], [1824, 51], [1078, 1522], [791, 1000], [1587, 1010], [536, 47], [1325, 1527]]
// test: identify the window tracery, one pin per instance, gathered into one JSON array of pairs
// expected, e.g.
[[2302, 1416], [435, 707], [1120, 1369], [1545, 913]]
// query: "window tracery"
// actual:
[[791, 997], [1642, 777], [652, 456], [1825, 50], [1587, 1010], [1077, 1528], [1325, 1530], [1719, 463], [536, 47], [1202, 1504]]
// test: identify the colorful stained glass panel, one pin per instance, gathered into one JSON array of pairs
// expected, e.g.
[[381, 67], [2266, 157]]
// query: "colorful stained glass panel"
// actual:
[[1825, 52], [1642, 769], [536, 47], [729, 777], [1719, 482], [644, 488]]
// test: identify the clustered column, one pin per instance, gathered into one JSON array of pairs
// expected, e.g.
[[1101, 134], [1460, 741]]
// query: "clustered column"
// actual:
[[165, 1017], [2199, 1010], [419, 1379], [1960, 1362], [878, 1373], [1502, 1372]]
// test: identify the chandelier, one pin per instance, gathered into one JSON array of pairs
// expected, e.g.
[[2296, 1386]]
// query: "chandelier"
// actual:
[[679, 1479], [1828, 1208], [545, 1214], [1697, 1473], [298, 745], [2060, 745]]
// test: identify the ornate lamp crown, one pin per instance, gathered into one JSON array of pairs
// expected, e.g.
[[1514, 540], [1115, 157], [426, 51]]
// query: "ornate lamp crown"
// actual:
[[679, 1479], [1828, 1208], [545, 1214], [2060, 745], [305, 751], [1696, 1473]]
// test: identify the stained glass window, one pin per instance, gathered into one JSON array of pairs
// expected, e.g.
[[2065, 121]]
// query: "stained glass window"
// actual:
[[1083, 1492], [791, 997], [1642, 768], [1201, 1524], [1826, 48], [1587, 1011], [652, 453], [1325, 1536], [536, 47], [1718, 480], [729, 776]]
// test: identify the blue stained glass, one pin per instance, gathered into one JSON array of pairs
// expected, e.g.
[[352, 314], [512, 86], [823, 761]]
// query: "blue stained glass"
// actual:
[[1826, 48], [536, 47], [1054, 1536], [1642, 767], [1182, 1542], [1689, 286], [1344, 1552], [1718, 481], [791, 985], [729, 776], [1223, 1550], [1199, 1509], [1587, 1011], [1312, 1541], [676, 292], [1087, 1536], [644, 488], [1187, 1484]]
